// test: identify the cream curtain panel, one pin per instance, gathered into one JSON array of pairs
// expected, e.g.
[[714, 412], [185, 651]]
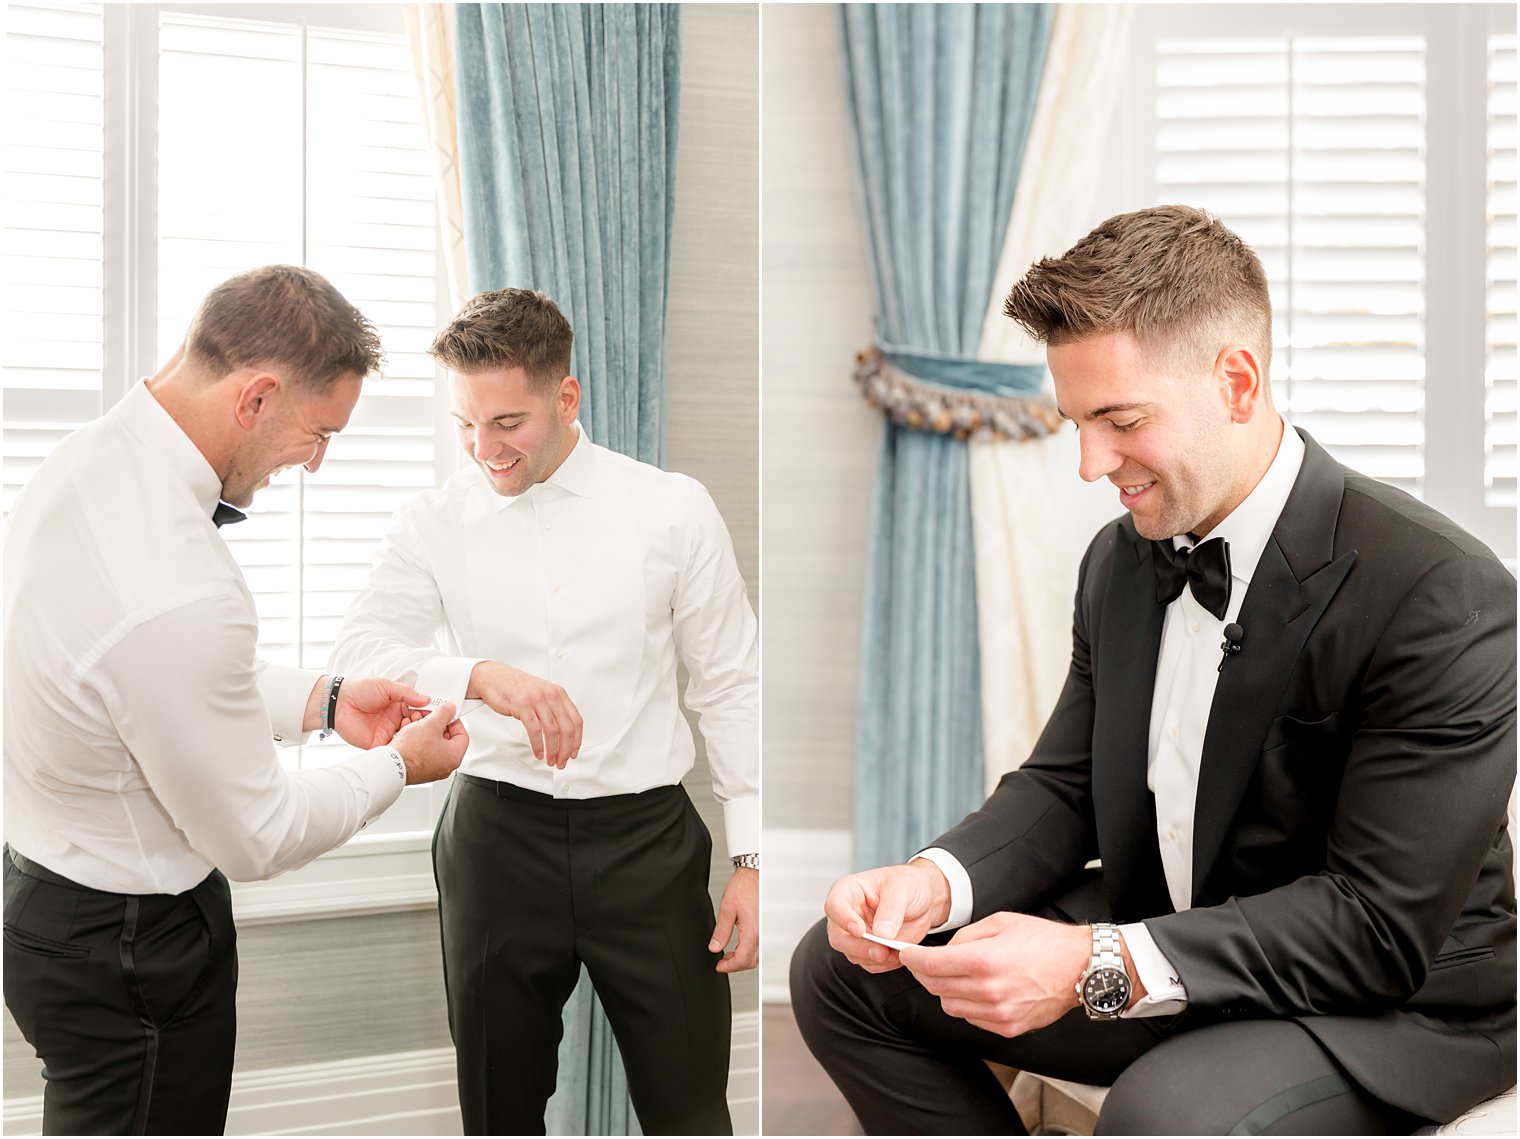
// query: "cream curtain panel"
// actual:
[[430, 28], [1026, 550]]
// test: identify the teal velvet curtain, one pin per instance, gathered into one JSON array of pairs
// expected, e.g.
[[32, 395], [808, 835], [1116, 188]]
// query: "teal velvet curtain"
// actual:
[[568, 118], [940, 98]]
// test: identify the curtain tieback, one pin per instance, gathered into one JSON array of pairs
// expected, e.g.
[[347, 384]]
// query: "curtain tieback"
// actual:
[[955, 395]]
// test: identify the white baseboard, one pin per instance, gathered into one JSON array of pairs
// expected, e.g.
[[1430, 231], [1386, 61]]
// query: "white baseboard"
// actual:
[[800, 866], [744, 1074], [400, 1093]]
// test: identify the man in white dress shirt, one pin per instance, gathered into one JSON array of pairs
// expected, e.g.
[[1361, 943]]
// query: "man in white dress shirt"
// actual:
[[1288, 732], [140, 770], [561, 583]]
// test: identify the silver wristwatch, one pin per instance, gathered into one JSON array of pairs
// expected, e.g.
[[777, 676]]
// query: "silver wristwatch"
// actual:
[[1105, 987], [747, 861]]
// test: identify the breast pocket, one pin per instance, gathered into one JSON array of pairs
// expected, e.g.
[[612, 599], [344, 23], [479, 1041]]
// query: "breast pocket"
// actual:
[[1303, 734], [1285, 817]]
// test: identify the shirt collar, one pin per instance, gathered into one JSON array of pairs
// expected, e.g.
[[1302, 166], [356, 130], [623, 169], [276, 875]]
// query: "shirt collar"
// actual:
[[576, 475], [142, 414], [1248, 527]]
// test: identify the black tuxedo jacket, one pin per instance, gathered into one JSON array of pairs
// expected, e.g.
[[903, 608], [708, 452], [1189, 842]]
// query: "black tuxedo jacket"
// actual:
[[1351, 863]]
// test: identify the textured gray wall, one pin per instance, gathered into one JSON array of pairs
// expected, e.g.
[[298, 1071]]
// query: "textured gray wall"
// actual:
[[713, 409], [821, 438]]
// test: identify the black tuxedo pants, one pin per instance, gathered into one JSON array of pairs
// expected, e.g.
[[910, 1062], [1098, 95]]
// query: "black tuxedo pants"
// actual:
[[530, 888], [907, 1068], [129, 1000]]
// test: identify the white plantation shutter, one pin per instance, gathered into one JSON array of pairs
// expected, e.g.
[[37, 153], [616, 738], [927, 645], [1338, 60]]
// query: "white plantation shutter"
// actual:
[[51, 187], [1313, 150], [1499, 431], [313, 154], [231, 197], [371, 230]]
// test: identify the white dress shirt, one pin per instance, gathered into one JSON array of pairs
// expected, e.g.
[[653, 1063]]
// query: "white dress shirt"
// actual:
[[1187, 672], [139, 726], [598, 578]]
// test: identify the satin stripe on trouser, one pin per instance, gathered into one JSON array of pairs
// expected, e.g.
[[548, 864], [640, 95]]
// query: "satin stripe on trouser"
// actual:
[[129, 1000], [530, 887]]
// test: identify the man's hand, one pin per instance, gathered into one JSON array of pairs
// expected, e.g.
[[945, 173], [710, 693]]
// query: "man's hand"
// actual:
[[1008, 973], [552, 722], [740, 907], [371, 711], [900, 902], [432, 746]]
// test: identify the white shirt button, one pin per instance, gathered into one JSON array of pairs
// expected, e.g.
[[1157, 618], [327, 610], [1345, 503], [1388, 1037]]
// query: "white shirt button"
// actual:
[[1171, 833], [1175, 731], [1192, 626], [556, 589], [548, 526], [560, 654]]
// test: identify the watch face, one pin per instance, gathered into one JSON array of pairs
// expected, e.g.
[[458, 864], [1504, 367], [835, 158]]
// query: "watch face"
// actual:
[[1105, 990]]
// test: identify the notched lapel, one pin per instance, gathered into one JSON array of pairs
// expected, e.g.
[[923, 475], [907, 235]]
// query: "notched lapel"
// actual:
[[1278, 615], [1124, 675]]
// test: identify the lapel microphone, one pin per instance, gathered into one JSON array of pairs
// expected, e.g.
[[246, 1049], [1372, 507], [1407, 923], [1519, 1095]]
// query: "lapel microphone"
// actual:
[[1234, 641]]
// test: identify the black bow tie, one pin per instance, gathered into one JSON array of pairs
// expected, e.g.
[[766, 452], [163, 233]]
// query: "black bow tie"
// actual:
[[224, 515], [1204, 568]]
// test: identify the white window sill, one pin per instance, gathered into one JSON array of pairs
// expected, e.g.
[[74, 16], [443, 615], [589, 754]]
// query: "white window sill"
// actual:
[[368, 874]]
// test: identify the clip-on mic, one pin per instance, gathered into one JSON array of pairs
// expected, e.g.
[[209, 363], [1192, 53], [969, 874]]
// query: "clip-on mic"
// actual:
[[1234, 640]]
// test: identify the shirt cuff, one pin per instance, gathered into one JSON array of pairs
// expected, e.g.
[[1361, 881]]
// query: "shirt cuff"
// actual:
[[447, 677], [960, 886], [1164, 992], [286, 692], [741, 825], [383, 773]]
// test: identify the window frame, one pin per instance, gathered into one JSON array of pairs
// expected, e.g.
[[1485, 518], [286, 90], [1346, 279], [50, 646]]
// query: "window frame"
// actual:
[[1456, 43]]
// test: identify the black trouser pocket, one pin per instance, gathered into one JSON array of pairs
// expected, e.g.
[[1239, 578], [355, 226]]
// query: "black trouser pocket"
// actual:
[[24, 941]]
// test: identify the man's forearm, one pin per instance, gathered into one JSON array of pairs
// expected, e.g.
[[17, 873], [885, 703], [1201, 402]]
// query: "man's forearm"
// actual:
[[311, 719]]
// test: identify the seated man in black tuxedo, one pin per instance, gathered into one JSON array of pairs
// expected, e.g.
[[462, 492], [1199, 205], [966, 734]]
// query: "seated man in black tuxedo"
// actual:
[[1288, 732]]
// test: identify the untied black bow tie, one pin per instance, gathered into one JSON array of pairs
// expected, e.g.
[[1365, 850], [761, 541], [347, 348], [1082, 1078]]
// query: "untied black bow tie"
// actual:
[[1204, 568], [224, 515]]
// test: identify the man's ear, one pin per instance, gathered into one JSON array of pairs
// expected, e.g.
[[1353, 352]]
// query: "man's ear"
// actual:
[[256, 392], [567, 400], [1238, 373]]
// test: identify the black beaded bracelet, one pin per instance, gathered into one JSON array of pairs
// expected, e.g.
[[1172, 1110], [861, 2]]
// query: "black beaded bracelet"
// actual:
[[330, 712]]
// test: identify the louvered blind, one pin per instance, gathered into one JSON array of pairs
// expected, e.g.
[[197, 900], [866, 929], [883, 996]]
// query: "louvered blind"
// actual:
[[1499, 428], [239, 188], [371, 229], [1313, 150], [306, 145], [51, 189]]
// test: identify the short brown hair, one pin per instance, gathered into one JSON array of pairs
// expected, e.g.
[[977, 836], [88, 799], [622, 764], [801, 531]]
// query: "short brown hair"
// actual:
[[1174, 276], [283, 317], [508, 328]]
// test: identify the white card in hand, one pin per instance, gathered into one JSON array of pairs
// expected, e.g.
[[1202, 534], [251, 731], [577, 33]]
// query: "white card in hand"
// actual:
[[887, 941]]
